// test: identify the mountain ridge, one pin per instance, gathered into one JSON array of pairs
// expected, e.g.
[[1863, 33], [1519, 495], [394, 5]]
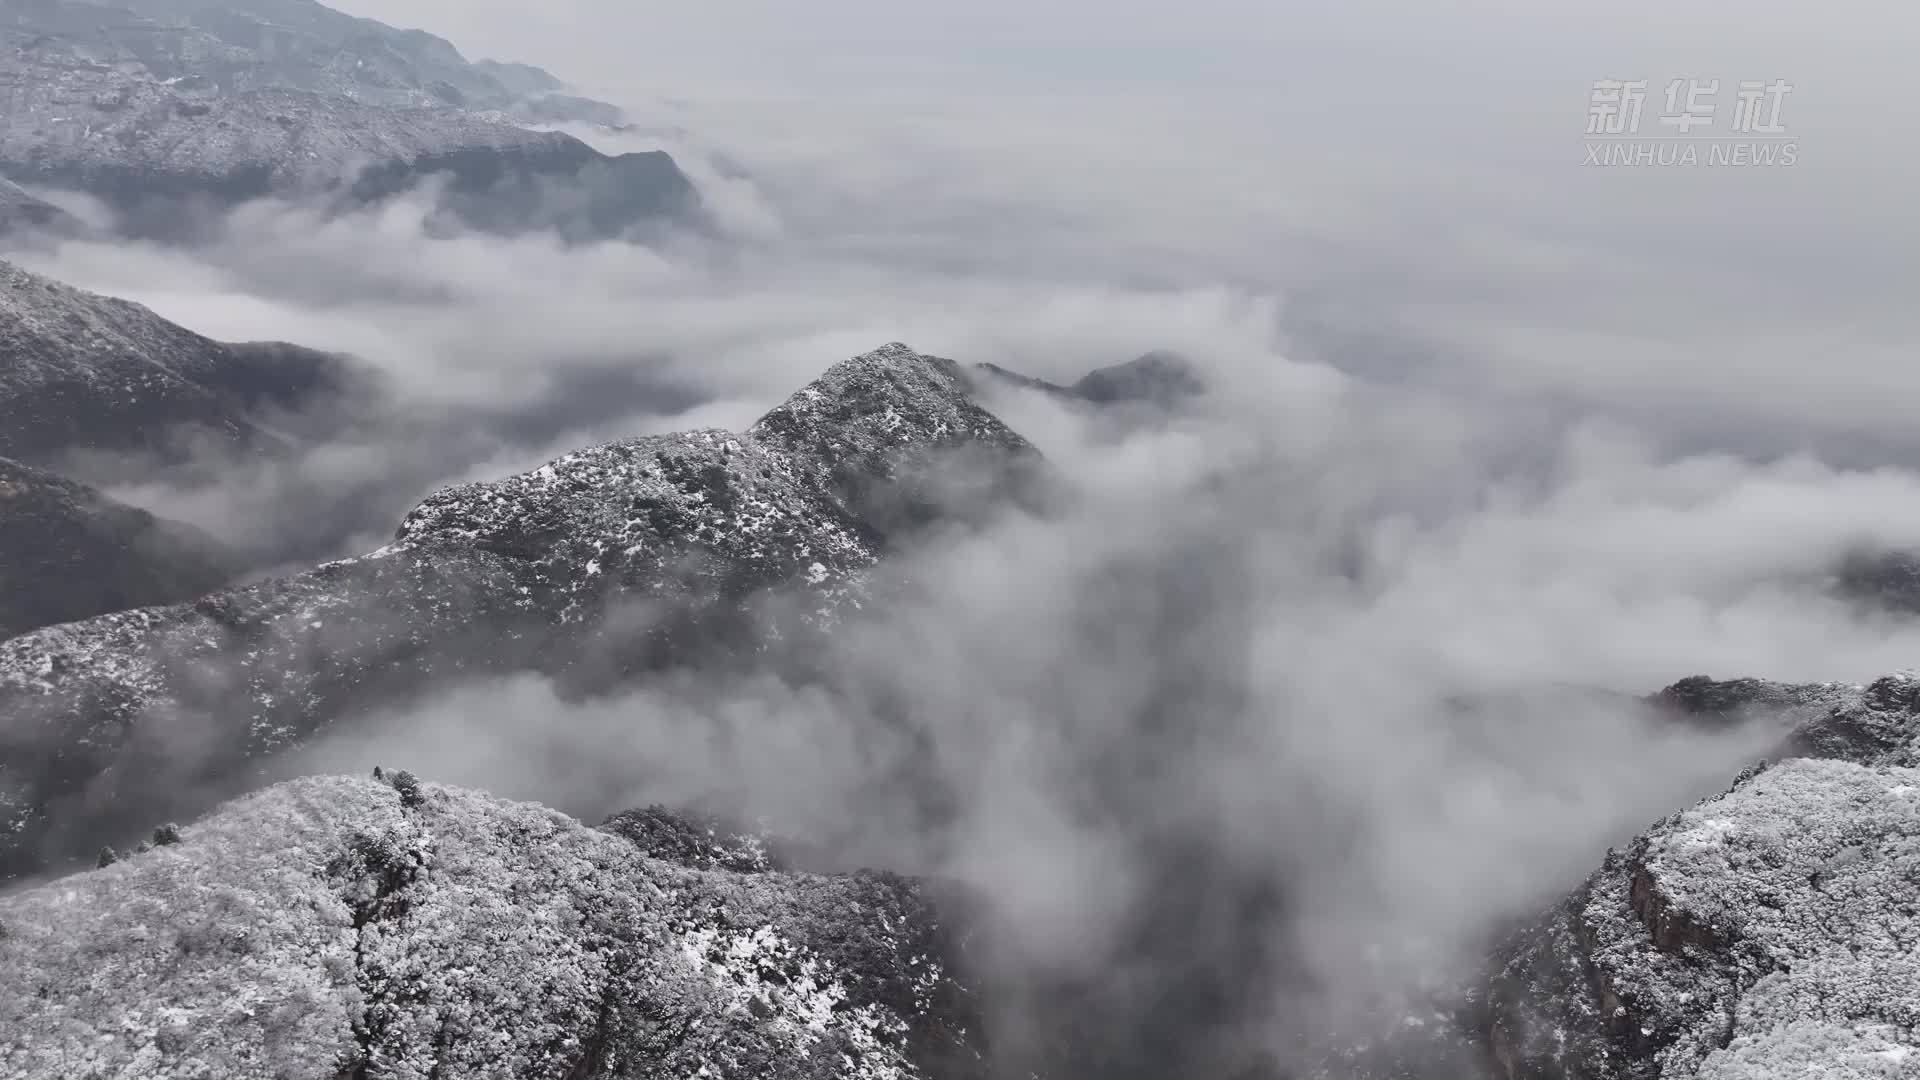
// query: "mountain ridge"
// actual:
[[172, 119], [81, 372], [67, 553], [695, 530]]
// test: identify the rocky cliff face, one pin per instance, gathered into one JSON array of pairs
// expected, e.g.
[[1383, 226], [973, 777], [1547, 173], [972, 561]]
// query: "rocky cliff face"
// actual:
[[162, 108], [82, 372], [68, 552], [1769, 932], [335, 927], [602, 564]]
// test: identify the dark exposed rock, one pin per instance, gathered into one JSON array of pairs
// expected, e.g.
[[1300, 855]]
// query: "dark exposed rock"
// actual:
[[68, 552], [600, 566], [323, 928], [1703, 701]]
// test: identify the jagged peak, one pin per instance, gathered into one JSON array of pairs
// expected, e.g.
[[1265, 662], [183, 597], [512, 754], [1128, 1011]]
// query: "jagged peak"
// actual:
[[891, 398], [865, 423]]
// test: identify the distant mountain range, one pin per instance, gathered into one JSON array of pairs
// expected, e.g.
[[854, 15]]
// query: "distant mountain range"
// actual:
[[160, 106], [1159, 378]]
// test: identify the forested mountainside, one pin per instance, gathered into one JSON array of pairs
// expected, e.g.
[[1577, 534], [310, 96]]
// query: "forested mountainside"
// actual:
[[170, 111], [80, 373], [516, 575], [67, 552], [334, 927]]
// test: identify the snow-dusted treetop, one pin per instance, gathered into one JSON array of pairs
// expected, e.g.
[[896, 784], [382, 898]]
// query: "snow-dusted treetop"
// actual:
[[1771, 932], [334, 927]]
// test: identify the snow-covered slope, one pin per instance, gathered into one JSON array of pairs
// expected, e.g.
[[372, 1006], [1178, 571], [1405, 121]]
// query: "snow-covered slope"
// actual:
[[682, 536], [304, 45], [1771, 932], [68, 552], [79, 371], [332, 928], [178, 104]]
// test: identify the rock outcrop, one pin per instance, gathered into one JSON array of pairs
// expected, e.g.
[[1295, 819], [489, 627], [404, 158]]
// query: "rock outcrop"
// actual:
[[335, 928]]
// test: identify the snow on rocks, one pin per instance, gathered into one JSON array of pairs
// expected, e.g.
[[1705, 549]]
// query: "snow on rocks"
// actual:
[[330, 925], [690, 538], [881, 433], [1772, 931]]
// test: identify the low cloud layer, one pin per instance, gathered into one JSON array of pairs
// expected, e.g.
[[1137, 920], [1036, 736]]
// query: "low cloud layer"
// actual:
[[1293, 697], [1263, 724]]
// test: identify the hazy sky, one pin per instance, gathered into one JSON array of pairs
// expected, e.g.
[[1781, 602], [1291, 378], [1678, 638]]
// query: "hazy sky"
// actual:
[[1131, 42]]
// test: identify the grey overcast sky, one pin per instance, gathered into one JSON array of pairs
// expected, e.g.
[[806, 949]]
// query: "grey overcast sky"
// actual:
[[1402, 179], [778, 45], [1420, 154]]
